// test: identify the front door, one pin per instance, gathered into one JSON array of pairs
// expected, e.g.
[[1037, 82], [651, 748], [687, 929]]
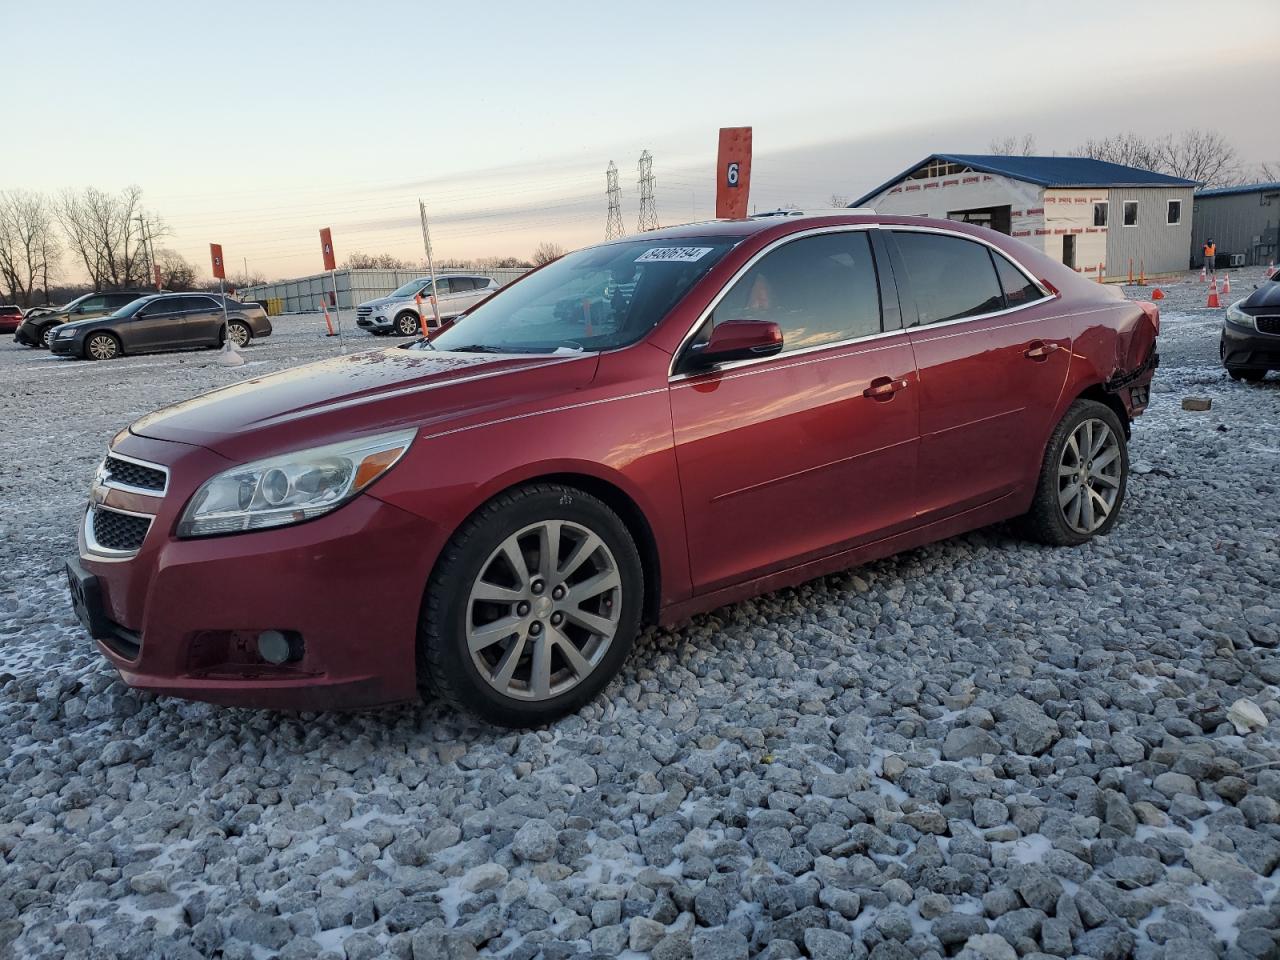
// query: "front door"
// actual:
[[202, 322], [157, 326], [992, 365], [794, 457]]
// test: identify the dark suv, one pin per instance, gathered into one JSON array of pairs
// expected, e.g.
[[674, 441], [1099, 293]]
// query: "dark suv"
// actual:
[[35, 331]]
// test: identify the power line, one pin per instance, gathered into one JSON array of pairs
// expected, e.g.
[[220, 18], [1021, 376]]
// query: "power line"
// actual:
[[613, 229], [648, 205]]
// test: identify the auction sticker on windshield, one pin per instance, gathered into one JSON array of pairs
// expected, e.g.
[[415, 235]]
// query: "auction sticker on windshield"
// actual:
[[673, 254]]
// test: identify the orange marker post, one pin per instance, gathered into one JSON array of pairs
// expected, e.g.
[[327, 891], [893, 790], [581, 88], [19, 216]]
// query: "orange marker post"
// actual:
[[422, 320]]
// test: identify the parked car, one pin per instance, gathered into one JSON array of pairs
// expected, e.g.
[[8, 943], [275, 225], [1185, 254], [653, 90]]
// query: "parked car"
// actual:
[[10, 317], [164, 321], [1251, 333], [37, 328], [634, 433], [397, 312]]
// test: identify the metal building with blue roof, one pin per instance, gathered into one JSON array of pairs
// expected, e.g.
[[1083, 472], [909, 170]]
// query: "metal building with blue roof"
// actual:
[[1244, 222], [1094, 216]]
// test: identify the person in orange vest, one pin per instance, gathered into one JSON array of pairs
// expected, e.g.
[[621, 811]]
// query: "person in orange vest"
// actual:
[[1210, 255]]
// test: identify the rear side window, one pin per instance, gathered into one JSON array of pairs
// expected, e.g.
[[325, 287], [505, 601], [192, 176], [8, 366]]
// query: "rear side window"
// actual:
[[819, 290], [460, 284], [1018, 290], [951, 278]]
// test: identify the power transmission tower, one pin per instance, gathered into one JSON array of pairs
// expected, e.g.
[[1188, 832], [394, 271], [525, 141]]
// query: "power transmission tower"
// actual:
[[613, 229], [648, 205]]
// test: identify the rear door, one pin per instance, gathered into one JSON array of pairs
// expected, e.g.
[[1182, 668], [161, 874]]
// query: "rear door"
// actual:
[[453, 295], [991, 364], [787, 459], [202, 322]]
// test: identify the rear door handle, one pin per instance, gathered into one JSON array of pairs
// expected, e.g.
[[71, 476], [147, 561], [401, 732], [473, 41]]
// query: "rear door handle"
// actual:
[[883, 388], [1040, 350]]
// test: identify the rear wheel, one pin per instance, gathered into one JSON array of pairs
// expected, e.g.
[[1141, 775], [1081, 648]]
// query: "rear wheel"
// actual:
[[240, 333], [533, 607], [1083, 478], [407, 324], [101, 346], [45, 334], [1252, 376]]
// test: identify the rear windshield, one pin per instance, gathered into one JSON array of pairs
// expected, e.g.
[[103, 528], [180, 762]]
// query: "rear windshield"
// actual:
[[600, 298]]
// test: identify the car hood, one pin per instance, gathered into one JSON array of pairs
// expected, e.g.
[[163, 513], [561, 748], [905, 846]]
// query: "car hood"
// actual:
[[77, 324], [366, 392], [1267, 295], [384, 301]]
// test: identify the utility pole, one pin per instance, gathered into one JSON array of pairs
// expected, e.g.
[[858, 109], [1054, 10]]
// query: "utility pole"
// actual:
[[613, 229], [147, 256], [648, 205]]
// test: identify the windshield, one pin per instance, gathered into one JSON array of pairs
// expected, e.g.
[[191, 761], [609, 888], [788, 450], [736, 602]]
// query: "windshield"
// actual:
[[410, 288], [600, 298], [132, 307]]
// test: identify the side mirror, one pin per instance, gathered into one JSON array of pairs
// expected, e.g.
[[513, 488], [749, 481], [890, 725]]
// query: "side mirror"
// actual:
[[739, 340]]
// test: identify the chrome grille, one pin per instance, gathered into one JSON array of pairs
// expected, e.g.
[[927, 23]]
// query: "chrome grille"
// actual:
[[130, 473], [364, 312], [118, 532], [1270, 324]]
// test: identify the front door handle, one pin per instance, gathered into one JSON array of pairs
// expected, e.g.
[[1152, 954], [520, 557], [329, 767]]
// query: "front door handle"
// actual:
[[883, 388], [1040, 350]]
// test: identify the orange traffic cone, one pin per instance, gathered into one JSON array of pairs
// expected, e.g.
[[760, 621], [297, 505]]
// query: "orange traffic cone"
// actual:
[[1203, 278], [1212, 303], [1142, 273], [1100, 271], [1271, 268], [1157, 294], [422, 319], [324, 305], [1131, 270], [1226, 284]]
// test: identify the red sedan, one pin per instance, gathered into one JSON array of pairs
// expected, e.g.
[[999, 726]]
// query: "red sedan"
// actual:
[[636, 432], [10, 318]]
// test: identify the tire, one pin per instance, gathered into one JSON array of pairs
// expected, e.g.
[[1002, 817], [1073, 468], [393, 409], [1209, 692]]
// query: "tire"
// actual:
[[1054, 518], [481, 560], [240, 333], [101, 346], [1253, 376], [45, 333], [407, 324]]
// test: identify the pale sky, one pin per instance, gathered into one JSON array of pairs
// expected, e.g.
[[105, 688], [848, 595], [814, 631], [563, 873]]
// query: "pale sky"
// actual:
[[272, 120]]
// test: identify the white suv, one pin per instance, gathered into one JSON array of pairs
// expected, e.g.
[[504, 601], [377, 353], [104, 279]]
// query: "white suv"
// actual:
[[397, 312]]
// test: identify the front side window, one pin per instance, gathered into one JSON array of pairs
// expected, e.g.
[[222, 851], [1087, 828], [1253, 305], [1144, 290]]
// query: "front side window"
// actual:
[[1175, 211], [411, 288], [600, 298], [1131, 213], [819, 290], [1100, 214], [951, 277], [92, 304]]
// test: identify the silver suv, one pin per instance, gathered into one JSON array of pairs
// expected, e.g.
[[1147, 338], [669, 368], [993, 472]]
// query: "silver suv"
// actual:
[[397, 312]]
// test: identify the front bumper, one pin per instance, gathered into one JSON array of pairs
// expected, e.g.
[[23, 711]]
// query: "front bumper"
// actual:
[[26, 335], [70, 347], [182, 617], [1244, 349], [375, 323]]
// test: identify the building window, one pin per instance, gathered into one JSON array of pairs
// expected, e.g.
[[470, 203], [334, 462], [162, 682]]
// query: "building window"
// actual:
[[1175, 211], [1100, 214], [1131, 213]]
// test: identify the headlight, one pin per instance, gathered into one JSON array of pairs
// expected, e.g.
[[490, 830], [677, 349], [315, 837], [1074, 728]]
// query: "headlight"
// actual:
[[65, 334], [1239, 317], [292, 487]]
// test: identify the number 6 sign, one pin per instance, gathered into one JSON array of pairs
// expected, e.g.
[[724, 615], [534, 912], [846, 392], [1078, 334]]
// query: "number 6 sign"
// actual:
[[733, 189]]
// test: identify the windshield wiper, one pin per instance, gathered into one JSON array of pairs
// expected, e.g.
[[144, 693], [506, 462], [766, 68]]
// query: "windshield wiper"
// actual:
[[476, 348]]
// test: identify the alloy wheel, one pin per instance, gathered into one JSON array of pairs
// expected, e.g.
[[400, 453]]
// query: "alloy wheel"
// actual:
[[239, 334], [543, 610], [1089, 476], [407, 325], [102, 347]]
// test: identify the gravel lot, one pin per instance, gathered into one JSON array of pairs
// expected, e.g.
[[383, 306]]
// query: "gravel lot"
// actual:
[[982, 748]]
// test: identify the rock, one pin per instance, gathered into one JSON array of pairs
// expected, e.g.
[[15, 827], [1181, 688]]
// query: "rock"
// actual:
[[535, 841], [644, 934], [964, 743], [1171, 784], [484, 877], [953, 929], [828, 944], [1105, 943], [717, 945], [990, 946], [1196, 403], [436, 944]]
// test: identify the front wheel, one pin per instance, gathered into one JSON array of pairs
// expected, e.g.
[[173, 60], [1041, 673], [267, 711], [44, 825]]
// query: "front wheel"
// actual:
[[101, 346], [407, 324], [533, 606], [1083, 478]]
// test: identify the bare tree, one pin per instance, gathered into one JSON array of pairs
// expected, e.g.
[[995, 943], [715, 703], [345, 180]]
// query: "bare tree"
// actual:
[[176, 271], [1201, 155], [103, 230], [29, 247], [837, 200], [1269, 171], [374, 261], [1011, 146], [547, 251]]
